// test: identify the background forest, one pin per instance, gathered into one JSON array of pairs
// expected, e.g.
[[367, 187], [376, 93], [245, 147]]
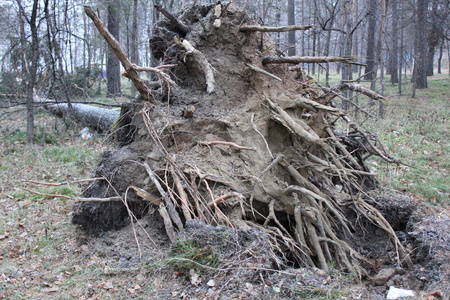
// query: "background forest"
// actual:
[[51, 51]]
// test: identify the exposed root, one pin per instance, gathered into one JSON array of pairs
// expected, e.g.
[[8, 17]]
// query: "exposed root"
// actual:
[[296, 176]]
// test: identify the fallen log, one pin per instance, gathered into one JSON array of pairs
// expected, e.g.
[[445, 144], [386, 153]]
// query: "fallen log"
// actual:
[[98, 118]]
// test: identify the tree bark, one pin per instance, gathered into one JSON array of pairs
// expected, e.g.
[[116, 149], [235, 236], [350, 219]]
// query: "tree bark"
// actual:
[[113, 64], [291, 34], [32, 69], [393, 55], [134, 40], [370, 53], [433, 36], [99, 118], [347, 49], [420, 53]]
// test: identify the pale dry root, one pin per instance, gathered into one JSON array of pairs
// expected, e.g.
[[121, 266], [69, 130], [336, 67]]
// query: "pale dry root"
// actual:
[[317, 211]]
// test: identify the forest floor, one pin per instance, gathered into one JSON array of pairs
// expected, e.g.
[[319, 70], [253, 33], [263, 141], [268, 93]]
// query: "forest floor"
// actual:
[[44, 256]]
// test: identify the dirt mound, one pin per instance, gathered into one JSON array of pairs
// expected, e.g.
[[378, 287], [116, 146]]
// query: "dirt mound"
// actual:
[[239, 143]]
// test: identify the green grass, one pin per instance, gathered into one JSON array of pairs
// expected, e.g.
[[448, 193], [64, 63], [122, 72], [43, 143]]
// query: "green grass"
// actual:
[[319, 293], [416, 130], [186, 254], [68, 154]]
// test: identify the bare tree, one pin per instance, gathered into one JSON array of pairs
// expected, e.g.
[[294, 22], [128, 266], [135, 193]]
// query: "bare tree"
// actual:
[[30, 64], [134, 41], [291, 34], [113, 64], [393, 53], [420, 56], [370, 52]]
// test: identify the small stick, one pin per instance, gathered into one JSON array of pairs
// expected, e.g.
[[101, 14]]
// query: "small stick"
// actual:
[[47, 195], [221, 199], [259, 70], [115, 198], [204, 143], [63, 183], [156, 70], [218, 211]]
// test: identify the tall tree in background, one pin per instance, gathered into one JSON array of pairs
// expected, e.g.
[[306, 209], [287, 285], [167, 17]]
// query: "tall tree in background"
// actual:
[[347, 20], [393, 53], [370, 73], [134, 42], [112, 63], [420, 52], [30, 63], [380, 55], [291, 21]]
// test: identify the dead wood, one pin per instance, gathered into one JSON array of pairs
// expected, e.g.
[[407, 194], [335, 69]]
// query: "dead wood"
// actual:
[[256, 69], [358, 88], [253, 28], [175, 21], [100, 119], [308, 59]]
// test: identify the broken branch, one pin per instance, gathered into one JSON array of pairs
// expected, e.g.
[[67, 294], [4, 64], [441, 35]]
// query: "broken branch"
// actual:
[[180, 25], [120, 53], [259, 70]]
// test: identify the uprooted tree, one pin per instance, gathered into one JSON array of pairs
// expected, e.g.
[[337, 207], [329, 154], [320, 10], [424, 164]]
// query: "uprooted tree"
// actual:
[[231, 134]]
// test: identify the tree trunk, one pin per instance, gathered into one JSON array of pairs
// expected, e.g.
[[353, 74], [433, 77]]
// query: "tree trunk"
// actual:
[[420, 53], [441, 53], [381, 50], [434, 35], [291, 34], [347, 51], [99, 118], [402, 49], [134, 44], [112, 63], [370, 53], [393, 55], [32, 70]]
